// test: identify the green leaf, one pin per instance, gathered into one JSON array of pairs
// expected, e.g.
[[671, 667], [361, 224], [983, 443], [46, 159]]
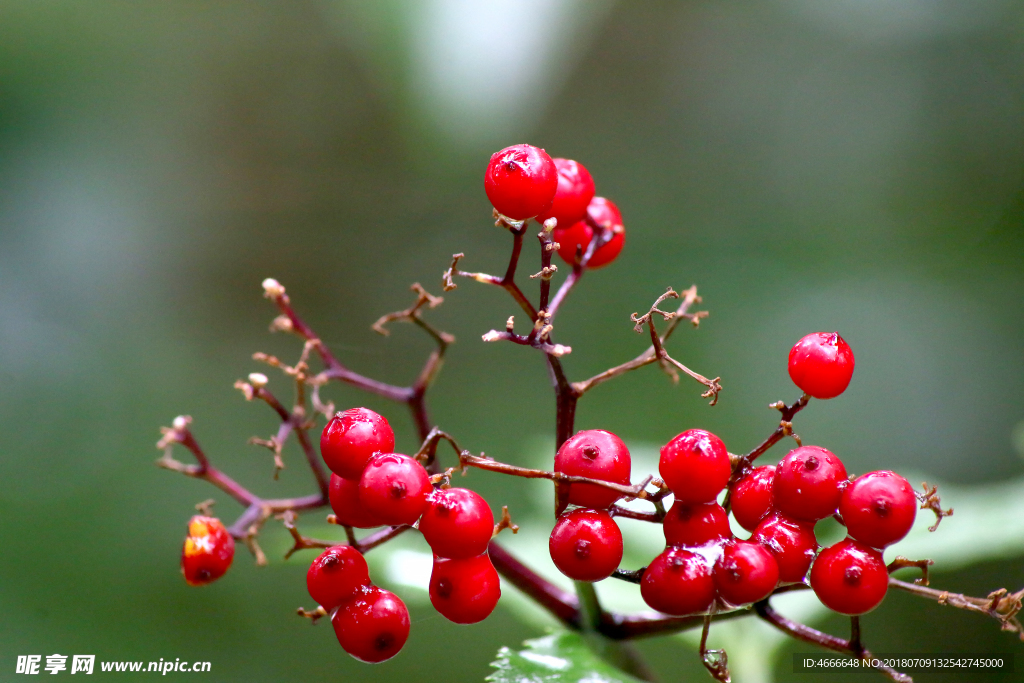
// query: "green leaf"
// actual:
[[562, 657]]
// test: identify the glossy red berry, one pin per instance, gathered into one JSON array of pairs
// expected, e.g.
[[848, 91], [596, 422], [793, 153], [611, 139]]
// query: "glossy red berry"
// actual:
[[850, 577], [696, 524], [595, 454], [351, 438], [878, 508], [808, 483], [521, 181], [791, 543], [576, 236], [394, 488], [821, 364], [348, 510], [372, 626], [337, 575], [695, 465], [586, 545], [745, 573], [751, 496], [464, 591], [678, 582], [457, 523], [575, 190], [207, 552]]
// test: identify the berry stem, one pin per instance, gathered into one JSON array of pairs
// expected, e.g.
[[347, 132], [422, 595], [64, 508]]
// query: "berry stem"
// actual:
[[590, 606], [578, 269], [999, 604], [689, 297], [715, 661], [467, 459], [815, 637], [334, 368], [560, 603]]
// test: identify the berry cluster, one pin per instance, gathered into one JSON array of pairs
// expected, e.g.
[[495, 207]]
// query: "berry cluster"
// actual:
[[704, 569], [370, 487], [704, 563], [523, 182], [372, 624], [586, 543]]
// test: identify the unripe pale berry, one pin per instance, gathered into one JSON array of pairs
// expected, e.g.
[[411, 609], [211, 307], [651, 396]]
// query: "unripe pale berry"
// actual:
[[464, 591], [351, 438], [595, 454], [575, 190], [745, 573], [821, 364], [850, 577], [577, 236], [695, 524], [751, 496], [586, 545], [695, 465], [521, 181], [348, 510], [678, 582], [457, 523], [207, 551], [337, 575], [791, 543], [808, 483], [372, 626], [394, 488], [878, 508]]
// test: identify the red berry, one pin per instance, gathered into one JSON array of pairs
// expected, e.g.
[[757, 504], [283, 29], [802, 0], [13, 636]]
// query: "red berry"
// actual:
[[337, 575], [751, 497], [790, 542], [878, 508], [808, 483], [394, 488], [521, 181], [351, 438], [696, 524], [349, 511], [678, 582], [695, 465], [850, 577], [586, 545], [595, 454], [458, 523], [821, 364], [373, 626], [575, 190], [464, 591], [745, 573], [207, 552], [603, 213]]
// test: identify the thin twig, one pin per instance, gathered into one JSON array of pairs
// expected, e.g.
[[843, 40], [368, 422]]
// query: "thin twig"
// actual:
[[715, 661]]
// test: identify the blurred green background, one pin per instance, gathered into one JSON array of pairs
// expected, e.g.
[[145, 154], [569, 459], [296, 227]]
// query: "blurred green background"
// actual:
[[854, 165]]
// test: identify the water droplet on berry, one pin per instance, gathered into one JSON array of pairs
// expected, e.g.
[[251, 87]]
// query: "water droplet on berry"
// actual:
[[811, 463]]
